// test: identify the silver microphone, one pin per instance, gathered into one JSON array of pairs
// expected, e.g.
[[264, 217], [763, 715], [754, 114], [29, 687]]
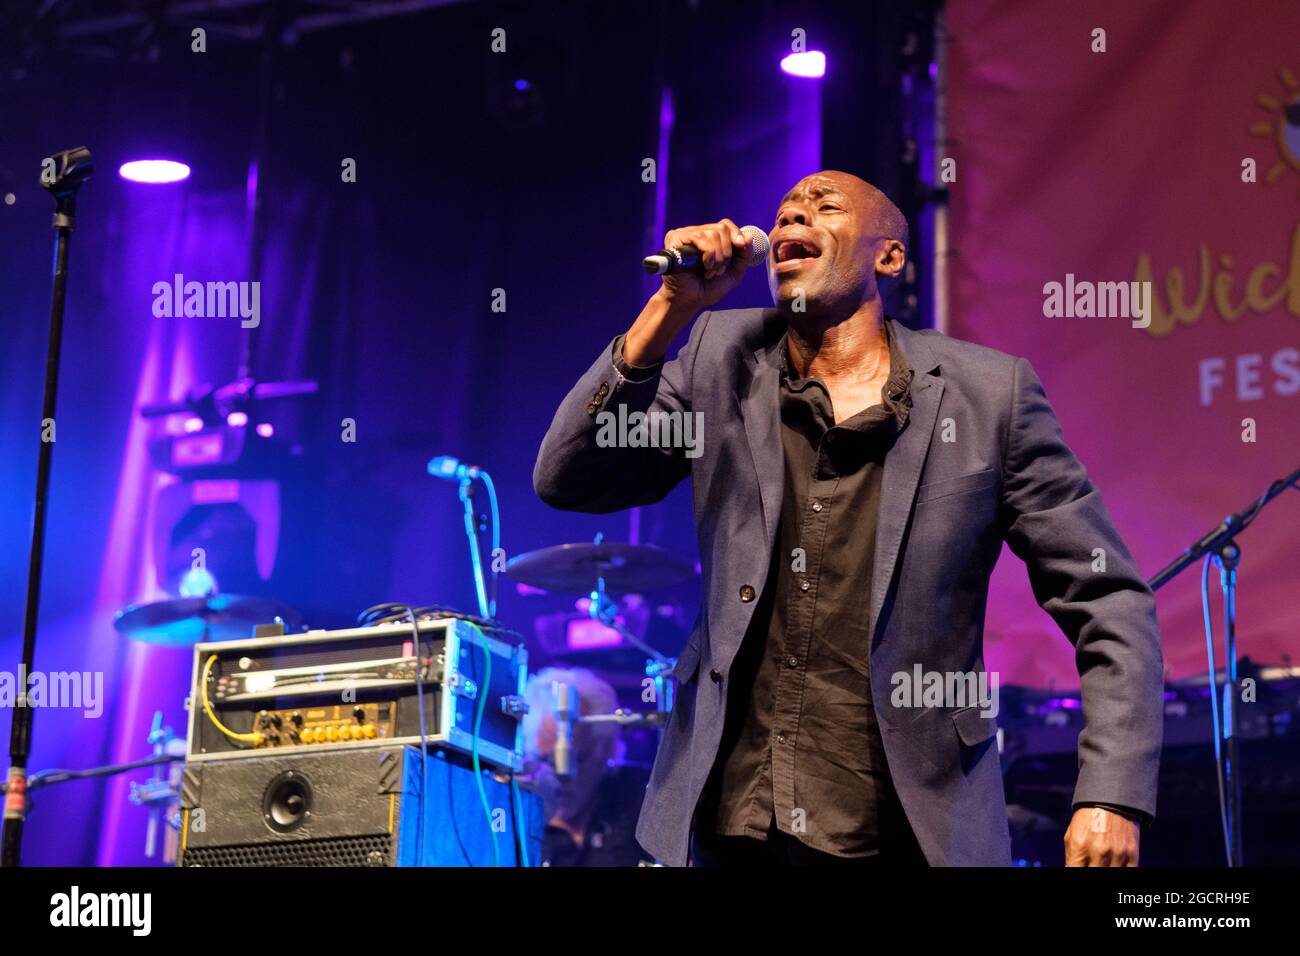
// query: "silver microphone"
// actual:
[[566, 712], [683, 258]]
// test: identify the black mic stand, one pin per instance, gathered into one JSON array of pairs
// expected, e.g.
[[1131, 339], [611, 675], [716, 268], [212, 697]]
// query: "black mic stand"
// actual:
[[1222, 545], [70, 169]]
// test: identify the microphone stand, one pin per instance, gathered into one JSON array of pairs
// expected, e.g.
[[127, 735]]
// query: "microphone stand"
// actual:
[[1221, 543], [466, 493], [70, 169]]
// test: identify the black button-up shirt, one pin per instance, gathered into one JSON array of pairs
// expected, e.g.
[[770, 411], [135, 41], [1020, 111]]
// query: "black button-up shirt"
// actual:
[[801, 748]]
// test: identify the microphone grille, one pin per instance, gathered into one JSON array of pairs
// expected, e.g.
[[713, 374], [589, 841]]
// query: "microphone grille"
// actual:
[[759, 240]]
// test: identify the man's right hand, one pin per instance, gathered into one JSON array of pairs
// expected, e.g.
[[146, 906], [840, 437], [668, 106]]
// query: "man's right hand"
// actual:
[[721, 246], [684, 294]]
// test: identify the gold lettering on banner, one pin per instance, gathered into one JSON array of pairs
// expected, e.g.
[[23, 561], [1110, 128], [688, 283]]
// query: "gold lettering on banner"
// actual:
[[1267, 286]]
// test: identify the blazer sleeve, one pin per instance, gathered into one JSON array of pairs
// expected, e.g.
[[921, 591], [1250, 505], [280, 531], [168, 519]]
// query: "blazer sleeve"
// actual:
[[1083, 575], [579, 469]]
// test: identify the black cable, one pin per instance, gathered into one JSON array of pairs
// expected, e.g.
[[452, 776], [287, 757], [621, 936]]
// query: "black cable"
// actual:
[[455, 825], [47, 777]]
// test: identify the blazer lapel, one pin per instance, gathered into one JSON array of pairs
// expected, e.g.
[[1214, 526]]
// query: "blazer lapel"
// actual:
[[761, 409], [904, 462]]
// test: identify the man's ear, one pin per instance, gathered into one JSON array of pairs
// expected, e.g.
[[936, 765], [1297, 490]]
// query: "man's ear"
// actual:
[[892, 258]]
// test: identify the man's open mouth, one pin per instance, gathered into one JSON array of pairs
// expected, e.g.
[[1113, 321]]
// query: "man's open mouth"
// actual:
[[788, 249]]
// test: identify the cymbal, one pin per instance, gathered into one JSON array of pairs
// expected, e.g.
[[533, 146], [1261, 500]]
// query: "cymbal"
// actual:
[[574, 568], [180, 622]]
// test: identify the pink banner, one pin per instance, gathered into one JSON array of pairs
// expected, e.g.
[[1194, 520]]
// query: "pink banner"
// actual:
[[1103, 144]]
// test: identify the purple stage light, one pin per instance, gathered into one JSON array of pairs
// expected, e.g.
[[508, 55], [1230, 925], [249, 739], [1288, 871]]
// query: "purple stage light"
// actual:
[[811, 64], [154, 171]]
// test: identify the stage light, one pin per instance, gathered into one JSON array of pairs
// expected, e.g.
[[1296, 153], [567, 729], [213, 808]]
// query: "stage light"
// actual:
[[154, 171], [198, 582], [237, 419], [193, 424], [265, 430], [811, 63]]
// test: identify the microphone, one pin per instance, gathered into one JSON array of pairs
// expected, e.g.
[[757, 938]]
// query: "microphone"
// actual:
[[565, 701], [683, 258], [445, 466]]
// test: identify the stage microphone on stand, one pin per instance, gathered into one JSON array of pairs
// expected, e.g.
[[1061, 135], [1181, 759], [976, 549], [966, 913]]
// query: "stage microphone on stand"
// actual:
[[445, 466], [566, 714], [687, 258], [452, 469]]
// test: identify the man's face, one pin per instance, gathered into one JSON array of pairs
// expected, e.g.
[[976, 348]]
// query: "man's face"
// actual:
[[824, 244]]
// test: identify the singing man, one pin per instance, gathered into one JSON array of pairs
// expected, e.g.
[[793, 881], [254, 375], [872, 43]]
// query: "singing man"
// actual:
[[852, 492]]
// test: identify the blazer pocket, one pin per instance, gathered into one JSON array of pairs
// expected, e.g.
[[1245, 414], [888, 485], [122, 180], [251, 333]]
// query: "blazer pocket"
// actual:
[[972, 726], [961, 485]]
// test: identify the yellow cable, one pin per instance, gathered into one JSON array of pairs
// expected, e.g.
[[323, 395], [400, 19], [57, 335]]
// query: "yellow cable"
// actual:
[[253, 738]]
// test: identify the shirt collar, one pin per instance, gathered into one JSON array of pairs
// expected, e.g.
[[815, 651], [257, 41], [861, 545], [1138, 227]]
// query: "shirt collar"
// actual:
[[896, 394]]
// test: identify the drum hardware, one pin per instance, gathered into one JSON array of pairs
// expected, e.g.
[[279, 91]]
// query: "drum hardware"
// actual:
[[156, 793], [599, 569], [184, 621], [574, 568], [161, 795]]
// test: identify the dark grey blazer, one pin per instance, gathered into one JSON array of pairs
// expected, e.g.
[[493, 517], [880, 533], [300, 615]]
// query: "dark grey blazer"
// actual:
[[1005, 474]]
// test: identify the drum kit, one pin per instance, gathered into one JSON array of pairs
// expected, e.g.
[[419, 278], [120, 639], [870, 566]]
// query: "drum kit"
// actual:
[[601, 572]]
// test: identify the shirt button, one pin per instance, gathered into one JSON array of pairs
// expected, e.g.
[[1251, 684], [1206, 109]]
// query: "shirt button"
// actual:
[[715, 676], [746, 593], [792, 661], [804, 585], [780, 738], [817, 506]]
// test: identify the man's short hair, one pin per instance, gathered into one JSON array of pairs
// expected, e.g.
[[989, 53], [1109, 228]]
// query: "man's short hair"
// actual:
[[892, 224]]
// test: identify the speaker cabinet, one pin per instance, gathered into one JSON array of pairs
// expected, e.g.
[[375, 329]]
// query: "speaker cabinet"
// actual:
[[352, 808]]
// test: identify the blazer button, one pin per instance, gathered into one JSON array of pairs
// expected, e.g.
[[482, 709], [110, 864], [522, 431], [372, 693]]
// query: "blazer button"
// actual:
[[746, 593], [715, 676]]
